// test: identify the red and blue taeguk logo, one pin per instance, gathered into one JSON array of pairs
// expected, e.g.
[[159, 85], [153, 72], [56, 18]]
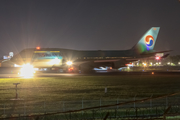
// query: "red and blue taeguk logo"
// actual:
[[149, 40]]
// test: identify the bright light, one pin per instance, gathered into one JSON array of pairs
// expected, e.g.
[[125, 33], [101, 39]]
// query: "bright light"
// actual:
[[69, 63], [144, 64], [27, 71], [54, 61], [70, 69], [38, 48], [15, 65], [168, 63], [157, 58]]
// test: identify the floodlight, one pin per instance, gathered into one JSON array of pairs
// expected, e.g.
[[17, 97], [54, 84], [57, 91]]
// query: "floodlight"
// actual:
[[27, 71], [144, 64], [69, 63]]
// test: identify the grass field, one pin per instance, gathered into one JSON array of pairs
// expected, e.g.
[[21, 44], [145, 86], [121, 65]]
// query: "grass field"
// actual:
[[88, 87], [51, 94]]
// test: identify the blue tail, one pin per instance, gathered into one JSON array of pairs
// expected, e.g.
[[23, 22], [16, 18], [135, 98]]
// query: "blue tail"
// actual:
[[147, 42]]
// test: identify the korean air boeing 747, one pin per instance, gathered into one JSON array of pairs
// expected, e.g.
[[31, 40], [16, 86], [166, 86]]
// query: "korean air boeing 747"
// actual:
[[87, 60]]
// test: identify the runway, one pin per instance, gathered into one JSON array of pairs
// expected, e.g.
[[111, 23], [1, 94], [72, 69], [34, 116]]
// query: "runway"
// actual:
[[90, 74], [39, 75]]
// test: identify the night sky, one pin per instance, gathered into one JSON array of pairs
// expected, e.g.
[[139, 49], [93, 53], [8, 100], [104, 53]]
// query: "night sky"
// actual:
[[87, 24]]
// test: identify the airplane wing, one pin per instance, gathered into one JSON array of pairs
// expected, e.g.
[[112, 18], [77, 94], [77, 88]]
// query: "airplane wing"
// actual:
[[153, 53], [113, 60]]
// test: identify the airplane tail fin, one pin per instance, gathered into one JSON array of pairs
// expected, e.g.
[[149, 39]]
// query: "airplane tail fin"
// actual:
[[147, 42]]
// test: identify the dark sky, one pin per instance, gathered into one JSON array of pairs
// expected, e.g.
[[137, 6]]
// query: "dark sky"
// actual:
[[87, 24]]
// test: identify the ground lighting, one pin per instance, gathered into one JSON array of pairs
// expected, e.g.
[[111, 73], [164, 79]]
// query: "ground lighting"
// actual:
[[27, 71], [144, 64], [69, 62]]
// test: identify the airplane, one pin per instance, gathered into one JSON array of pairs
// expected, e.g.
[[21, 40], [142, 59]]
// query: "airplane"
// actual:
[[85, 61]]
